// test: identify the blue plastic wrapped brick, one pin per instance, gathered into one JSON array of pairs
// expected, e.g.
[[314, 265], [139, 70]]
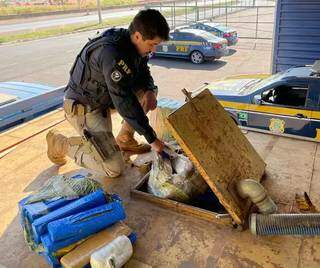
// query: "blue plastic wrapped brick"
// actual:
[[21, 205], [133, 237], [52, 261], [87, 222], [36, 210], [30, 212], [26, 225], [39, 226]]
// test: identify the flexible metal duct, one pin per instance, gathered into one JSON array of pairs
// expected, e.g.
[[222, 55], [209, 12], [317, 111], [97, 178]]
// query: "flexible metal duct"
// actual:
[[285, 224], [258, 195]]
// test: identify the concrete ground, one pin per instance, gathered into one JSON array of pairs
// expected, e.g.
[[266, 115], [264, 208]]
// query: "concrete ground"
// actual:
[[248, 56], [165, 238]]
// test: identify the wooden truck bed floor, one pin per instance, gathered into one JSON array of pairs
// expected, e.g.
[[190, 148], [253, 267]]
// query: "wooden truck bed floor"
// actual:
[[165, 238]]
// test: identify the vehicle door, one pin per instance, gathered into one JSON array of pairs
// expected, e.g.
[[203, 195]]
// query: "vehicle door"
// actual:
[[281, 109], [314, 104], [168, 47], [182, 44]]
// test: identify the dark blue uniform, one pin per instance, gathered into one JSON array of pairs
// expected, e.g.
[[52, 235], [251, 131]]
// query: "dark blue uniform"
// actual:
[[107, 73]]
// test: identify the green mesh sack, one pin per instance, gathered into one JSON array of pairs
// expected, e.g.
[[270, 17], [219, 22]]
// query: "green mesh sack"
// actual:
[[62, 186]]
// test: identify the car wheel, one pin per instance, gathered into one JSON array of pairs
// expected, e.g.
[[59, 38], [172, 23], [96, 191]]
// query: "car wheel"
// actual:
[[196, 57]]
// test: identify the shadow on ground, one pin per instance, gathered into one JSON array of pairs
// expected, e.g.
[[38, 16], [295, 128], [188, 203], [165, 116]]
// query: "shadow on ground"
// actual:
[[186, 64], [231, 52]]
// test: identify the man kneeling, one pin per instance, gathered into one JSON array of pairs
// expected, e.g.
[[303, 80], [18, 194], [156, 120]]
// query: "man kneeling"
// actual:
[[111, 71]]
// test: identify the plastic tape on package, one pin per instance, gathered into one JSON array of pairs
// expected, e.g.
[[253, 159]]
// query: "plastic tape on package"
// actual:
[[80, 226], [39, 226], [87, 222]]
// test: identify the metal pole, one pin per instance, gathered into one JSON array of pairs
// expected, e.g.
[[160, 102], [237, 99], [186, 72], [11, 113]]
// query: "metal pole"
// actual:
[[186, 10], [204, 2], [171, 17], [226, 10], [174, 14], [211, 8], [257, 22], [99, 11], [197, 11]]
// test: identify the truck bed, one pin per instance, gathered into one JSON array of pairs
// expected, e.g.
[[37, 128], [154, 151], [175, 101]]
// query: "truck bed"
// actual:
[[165, 238]]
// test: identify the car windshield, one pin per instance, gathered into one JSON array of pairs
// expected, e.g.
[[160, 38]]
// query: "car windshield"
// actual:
[[223, 28], [219, 27], [256, 84], [211, 24]]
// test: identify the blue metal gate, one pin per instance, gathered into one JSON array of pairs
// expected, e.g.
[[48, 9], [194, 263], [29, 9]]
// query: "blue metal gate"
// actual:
[[297, 33]]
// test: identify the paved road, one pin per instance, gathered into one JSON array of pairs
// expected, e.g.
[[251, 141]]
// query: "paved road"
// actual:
[[48, 61]]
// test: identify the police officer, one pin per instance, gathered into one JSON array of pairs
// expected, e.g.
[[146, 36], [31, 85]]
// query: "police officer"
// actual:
[[111, 71]]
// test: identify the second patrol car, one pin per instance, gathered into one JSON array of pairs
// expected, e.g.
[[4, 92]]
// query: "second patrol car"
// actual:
[[196, 45], [286, 103], [217, 29]]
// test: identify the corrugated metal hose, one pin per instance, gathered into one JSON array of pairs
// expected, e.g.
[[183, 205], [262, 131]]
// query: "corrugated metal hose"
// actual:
[[285, 224]]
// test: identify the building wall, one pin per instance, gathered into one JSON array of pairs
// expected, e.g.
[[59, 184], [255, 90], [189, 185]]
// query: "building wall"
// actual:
[[297, 33]]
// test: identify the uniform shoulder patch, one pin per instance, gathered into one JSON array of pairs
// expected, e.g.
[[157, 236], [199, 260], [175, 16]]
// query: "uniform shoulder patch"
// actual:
[[124, 66], [116, 76]]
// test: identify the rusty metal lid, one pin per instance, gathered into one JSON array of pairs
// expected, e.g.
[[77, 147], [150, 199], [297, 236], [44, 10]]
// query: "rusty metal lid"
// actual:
[[218, 148]]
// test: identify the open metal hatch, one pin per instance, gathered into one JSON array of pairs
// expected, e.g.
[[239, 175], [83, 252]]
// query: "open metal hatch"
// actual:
[[218, 148]]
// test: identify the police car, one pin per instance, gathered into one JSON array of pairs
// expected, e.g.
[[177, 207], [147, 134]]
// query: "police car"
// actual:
[[196, 45], [286, 103], [217, 29]]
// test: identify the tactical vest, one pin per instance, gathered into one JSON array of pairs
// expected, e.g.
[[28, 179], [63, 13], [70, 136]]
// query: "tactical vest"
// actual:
[[83, 79]]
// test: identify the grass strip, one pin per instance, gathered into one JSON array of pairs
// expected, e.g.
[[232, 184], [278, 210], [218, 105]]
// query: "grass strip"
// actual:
[[21, 10], [43, 33]]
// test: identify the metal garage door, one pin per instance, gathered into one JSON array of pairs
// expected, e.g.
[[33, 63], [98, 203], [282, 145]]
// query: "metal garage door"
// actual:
[[297, 33]]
